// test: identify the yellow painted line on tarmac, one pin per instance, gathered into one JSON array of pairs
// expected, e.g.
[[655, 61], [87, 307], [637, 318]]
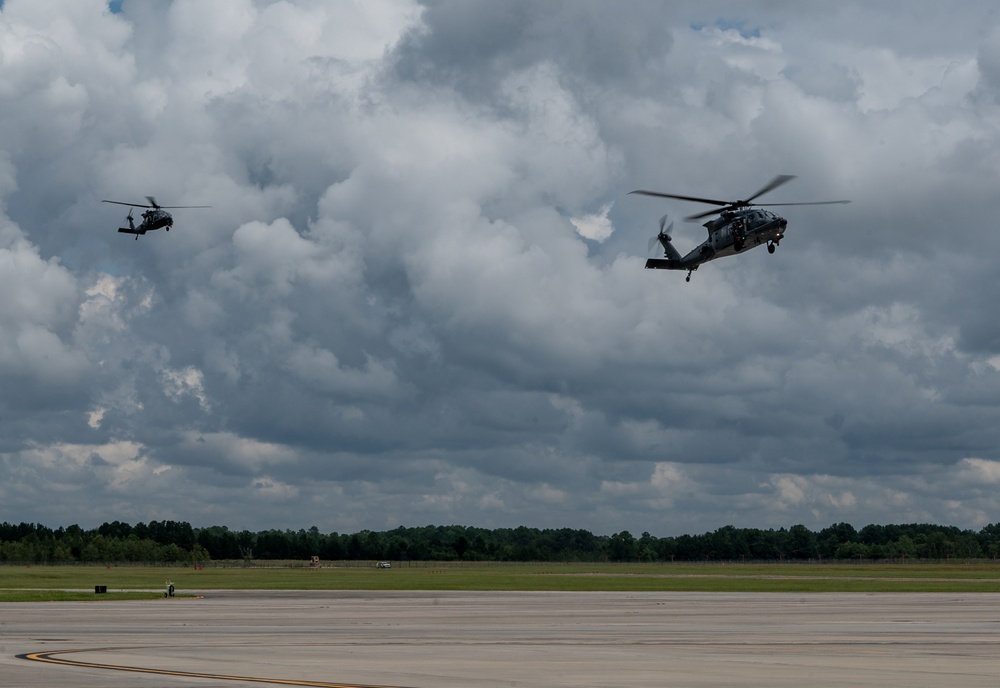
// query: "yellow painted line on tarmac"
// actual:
[[50, 657]]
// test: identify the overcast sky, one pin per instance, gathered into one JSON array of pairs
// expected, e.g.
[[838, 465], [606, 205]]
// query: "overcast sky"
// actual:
[[419, 296]]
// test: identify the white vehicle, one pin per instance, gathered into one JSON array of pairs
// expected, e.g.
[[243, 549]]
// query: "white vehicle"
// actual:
[[383, 565]]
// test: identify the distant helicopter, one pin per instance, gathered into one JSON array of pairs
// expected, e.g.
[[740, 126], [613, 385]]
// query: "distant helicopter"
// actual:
[[740, 226], [152, 219]]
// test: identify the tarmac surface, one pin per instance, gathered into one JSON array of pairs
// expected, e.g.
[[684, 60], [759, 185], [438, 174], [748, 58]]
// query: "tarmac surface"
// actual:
[[537, 639]]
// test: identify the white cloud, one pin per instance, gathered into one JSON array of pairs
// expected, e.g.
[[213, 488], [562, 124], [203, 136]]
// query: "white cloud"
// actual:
[[188, 381], [980, 471], [94, 417], [241, 453], [271, 489], [596, 227]]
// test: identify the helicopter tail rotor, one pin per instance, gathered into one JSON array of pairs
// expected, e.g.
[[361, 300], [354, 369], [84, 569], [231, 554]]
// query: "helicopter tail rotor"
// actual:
[[664, 239], [661, 236]]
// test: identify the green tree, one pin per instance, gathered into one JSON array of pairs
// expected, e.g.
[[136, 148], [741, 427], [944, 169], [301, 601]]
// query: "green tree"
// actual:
[[831, 537], [623, 547], [802, 543], [852, 550], [903, 548]]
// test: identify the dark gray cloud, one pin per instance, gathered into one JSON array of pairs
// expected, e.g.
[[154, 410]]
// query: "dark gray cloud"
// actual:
[[598, 48], [418, 296]]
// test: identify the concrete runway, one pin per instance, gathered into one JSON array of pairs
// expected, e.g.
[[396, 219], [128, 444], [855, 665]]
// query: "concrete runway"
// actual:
[[451, 639]]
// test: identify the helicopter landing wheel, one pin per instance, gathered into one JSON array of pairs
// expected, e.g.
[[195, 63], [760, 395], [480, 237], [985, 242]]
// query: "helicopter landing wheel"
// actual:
[[770, 248], [688, 278]]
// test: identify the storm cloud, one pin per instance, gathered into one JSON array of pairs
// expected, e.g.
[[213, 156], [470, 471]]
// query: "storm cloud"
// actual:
[[419, 295]]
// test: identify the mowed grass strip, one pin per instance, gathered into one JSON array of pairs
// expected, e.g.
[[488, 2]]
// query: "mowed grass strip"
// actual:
[[72, 596], [23, 583]]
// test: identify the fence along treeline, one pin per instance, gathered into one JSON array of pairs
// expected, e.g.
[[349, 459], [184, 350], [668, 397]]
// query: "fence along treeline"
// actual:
[[173, 541]]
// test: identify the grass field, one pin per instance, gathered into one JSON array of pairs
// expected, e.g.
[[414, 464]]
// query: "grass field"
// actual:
[[40, 583]]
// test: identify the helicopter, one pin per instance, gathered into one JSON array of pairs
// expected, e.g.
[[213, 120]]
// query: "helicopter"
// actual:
[[740, 225], [154, 218]]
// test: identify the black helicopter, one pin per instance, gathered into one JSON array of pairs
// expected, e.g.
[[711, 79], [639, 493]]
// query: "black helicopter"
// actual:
[[741, 225], [154, 218]]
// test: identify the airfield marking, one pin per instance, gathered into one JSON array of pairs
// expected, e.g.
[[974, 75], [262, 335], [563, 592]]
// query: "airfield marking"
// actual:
[[50, 658]]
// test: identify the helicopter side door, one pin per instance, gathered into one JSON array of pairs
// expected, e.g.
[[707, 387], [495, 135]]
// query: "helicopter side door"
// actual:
[[722, 237], [738, 231]]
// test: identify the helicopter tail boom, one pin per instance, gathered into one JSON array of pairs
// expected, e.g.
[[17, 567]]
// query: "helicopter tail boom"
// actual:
[[663, 264], [669, 252]]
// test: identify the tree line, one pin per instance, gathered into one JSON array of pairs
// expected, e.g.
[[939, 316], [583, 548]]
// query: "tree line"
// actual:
[[175, 541]]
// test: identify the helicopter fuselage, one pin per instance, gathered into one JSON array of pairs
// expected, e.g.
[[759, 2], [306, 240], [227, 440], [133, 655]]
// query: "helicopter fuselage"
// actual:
[[154, 218], [732, 232]]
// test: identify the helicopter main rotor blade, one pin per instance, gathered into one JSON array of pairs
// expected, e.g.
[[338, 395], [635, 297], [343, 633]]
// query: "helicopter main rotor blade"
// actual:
[[762, 205], [709, 213], [780, 180], [152, 202], [691, 218], [134, 205], [771, 186], [142, 205], [682, 198]]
